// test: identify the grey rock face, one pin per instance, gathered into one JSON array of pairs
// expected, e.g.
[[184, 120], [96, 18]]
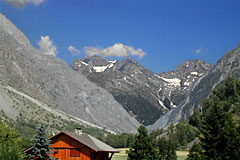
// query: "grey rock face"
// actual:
[[11, 29], [228, 65], [132, 85], [144, 94], [53, 82], [188, 73]]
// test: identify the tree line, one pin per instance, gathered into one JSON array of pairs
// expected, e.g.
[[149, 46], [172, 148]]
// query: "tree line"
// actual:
[[215, 125]]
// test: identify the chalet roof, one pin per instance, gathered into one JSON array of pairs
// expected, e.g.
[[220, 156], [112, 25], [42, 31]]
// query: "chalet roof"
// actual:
[[87, 140], [91, 142]]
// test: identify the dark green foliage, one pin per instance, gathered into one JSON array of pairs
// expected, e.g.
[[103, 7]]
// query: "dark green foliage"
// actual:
[[142, 148], [42, 146], [195, 119], [166, 150], [171, 127], [180, 135], [220, 135], [119, 141], [11, 146], [185, 133], [154, 135], [195, 153]]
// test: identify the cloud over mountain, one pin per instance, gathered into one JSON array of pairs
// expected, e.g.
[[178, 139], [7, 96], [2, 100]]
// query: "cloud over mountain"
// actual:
[[74, 51], [118, 50], [21, 3], [46, 46]]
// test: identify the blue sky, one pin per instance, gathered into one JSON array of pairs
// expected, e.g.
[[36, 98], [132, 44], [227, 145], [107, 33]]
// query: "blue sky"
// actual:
[[168, 32]]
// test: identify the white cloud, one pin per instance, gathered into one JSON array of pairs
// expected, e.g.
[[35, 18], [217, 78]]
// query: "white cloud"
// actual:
[[21, 3], [74, 51], [199, 50], [118, 50], [46, 46], [91, 51]]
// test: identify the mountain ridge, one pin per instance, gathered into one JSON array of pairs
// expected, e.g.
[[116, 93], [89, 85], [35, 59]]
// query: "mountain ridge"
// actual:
[[136, 87], [228, 65]]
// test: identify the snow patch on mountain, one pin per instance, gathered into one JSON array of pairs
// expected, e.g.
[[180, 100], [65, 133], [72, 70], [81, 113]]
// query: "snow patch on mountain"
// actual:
[[84, 63], [162, 104], [103, 68], [113, 61], [111, 65], [186, 83], [174, 81], [194, 73], [100, 68]]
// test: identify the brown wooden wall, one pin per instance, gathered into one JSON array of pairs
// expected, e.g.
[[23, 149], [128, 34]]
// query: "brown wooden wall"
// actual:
[[64, 144]]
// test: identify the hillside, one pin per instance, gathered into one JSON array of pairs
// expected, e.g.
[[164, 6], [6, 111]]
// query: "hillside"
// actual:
[[52, 82]]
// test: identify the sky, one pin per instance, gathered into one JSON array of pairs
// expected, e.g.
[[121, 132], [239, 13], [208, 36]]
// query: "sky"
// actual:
[[159, 34]]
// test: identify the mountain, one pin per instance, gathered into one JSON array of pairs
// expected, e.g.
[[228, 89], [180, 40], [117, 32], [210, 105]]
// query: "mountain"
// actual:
[[188, 72], [228, 65], [50, 81], [144, 94]]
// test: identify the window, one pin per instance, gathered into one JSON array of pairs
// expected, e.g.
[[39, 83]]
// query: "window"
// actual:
[[75, 152]]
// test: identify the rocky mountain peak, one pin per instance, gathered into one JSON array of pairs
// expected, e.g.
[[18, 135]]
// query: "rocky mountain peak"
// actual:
[[90, 64], [128, 60], [187, 73], [128, 65], [193, 65], [95, 60], [189, 67]]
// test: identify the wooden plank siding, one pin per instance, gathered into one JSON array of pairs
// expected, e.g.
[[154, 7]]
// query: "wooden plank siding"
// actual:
[[62, 145]]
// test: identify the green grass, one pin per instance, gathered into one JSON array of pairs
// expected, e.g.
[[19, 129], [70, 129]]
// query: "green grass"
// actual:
[[120, 156], [182, 155]]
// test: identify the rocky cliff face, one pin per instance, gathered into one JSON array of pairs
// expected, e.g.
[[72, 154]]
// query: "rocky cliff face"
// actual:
[[228, 65], [188, 73], [144, 94], [51, 81]]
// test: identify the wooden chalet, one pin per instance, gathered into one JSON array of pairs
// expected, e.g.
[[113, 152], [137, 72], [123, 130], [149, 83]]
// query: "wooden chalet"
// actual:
[[79, 146]]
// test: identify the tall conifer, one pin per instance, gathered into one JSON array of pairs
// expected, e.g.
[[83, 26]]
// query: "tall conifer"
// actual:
[[42, 146], [220, 135], [142, 148]]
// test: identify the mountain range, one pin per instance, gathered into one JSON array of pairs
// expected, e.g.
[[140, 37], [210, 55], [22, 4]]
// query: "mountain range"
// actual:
[[144, 94], [96, 92]]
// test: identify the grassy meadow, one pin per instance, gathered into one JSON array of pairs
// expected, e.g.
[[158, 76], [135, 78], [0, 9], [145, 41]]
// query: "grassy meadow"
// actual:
[[182, 155]]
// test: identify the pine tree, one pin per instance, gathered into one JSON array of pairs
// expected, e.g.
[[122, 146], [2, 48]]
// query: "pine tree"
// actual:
[[142, 148], [42, 146], [195, 153], [167, 150], [220, 136]]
